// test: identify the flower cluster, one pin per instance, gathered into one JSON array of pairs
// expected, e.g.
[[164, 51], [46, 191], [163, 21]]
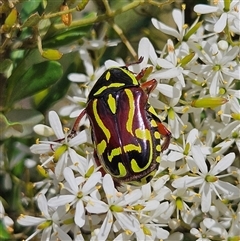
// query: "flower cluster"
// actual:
[[196, 189]]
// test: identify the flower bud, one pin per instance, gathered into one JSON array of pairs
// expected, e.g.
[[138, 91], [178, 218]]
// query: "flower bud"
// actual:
[[116, 208], [42, 171], [187, 59], [45, 224], [236, 116], [52, 54], [208, 102], [66, 18], [60, 150]]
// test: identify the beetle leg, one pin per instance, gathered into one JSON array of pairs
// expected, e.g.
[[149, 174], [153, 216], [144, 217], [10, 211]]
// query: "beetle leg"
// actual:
[[77, 121], [149, 86], [166, 134]]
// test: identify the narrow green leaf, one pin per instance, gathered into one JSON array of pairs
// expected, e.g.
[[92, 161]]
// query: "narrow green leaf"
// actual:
[[38, 77], [67, 36]]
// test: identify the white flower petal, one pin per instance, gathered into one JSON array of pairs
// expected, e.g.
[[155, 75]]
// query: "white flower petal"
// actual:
[[221, 23], [42, 204], [70, 178], [168, 90], [106, 226], [56, 124], [177, 17], [187, 181], [167, 73], [40, 148], [62, 235], [165, 29], [223, 164], [80, 138], [91, 182], [26, 220], [61, 200], [203, 9], [79, 217], [165, 63], [199, 159], [108, 187], [78, 78], [206, 198], [46, 233], [143, 50], [43, 130], [232, 192], [174, 156], [127, 222], [96, 206]]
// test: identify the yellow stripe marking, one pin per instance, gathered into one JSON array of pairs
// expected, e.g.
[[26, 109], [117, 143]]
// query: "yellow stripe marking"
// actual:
[[135, 166], [113, 85], [101, 147], [108, 74], [129, 123], [158, 159], [122, 170], [112, 104], [146, 135], [157, 135], [158, 148], [153, 123], [131, 147], [152, 110], [115, 152], [99, 121]]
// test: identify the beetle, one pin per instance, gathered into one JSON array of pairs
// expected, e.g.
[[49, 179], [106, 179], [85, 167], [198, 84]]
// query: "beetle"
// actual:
[[126, 131]]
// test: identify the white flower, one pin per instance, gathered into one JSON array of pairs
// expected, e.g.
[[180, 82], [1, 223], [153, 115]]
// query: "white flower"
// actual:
[[203, 234], [232, 130], [218, 229], [208, 180], [115, 206], [219, 66], [48, 225], [225, 16], [5, 219], [79, 194], [170, 66], [62, 150], [179, 202], [179, 19]]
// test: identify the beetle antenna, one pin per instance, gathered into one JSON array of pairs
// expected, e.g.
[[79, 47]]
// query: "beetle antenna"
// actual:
[[136, 62]]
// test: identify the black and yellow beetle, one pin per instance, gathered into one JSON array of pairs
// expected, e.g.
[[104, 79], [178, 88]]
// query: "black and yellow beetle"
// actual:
[[126, 130]]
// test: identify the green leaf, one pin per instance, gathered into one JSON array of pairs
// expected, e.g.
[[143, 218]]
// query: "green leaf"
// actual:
[[38, 77], [3, 232], [32, 20], [53, 6], [5, 65], [65, 37], [18, 123], [56, 91]]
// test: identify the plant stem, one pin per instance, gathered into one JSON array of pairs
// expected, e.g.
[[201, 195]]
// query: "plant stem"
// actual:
[[102, 17]]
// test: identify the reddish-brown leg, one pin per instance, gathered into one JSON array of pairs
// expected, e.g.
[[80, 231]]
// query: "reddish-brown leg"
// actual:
[[77, 121], [149, 86], [166, 134]]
